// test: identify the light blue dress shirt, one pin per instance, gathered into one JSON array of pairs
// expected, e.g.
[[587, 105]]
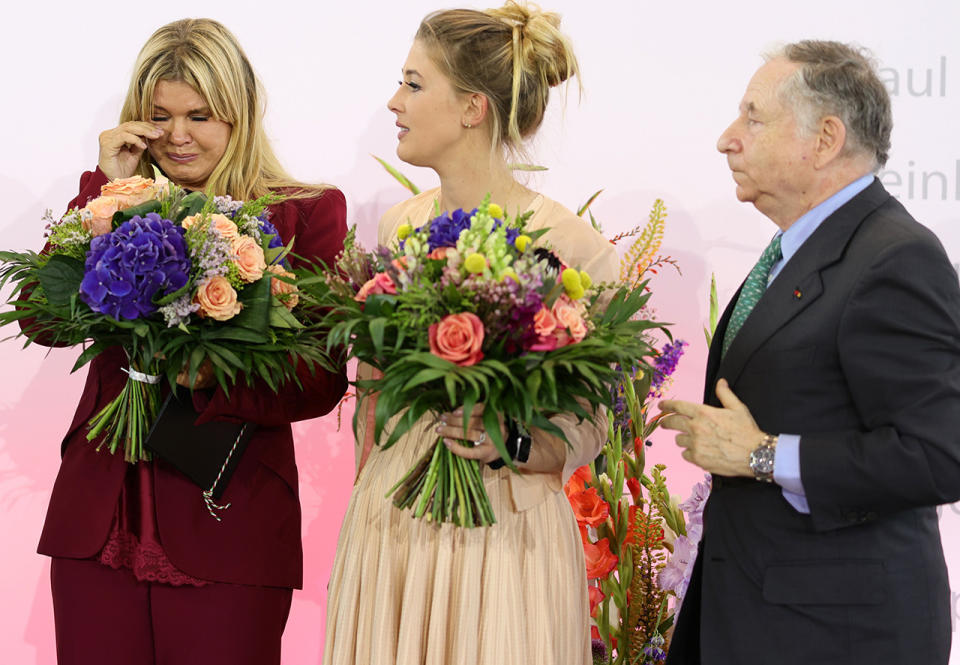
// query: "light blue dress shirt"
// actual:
[[786, 464]]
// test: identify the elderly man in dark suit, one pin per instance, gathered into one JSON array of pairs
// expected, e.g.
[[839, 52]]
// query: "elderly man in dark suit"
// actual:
[[831, 421]]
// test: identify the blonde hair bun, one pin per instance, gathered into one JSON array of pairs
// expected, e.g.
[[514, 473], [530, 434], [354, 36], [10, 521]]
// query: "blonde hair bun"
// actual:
[[513, 55], [544, 49]]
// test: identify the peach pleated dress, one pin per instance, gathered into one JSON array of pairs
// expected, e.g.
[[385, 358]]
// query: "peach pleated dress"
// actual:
[[405, 591]]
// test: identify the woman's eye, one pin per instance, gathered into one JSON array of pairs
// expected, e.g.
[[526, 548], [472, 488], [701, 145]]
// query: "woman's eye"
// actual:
[[158, 118], [411, 85], [199, 118]]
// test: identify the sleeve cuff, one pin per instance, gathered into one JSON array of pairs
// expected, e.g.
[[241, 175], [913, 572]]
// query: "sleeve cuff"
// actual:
[[786, 471]]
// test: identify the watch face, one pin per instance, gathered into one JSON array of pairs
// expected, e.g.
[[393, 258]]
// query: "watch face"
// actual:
[[761, 460]]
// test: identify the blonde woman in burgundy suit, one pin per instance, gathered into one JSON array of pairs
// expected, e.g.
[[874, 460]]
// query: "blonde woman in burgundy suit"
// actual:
[[141, 572]]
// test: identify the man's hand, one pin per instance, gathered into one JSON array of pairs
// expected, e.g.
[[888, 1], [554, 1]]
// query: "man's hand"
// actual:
[[717, 440]]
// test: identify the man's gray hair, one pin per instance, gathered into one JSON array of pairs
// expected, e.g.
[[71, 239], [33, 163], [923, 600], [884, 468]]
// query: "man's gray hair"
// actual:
[[839, 79]]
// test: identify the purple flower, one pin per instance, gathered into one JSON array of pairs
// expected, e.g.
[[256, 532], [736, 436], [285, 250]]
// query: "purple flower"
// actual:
[[599, 651], [665, 364], [675, 576], [446, 229], [127, 268], [267, 228]]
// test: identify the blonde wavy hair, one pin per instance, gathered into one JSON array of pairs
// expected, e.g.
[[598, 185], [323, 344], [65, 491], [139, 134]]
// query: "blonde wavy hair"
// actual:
[[512, 55], [206, 56]]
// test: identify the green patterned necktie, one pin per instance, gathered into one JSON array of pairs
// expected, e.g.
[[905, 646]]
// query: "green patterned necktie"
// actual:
[[753, 288]]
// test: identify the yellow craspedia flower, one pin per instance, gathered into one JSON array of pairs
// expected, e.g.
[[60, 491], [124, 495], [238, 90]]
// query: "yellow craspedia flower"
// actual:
[[571, 280], [511, 273], [521, 243], [585, 280], [576, 294], [404, 231], [495, 211], [475, 262]]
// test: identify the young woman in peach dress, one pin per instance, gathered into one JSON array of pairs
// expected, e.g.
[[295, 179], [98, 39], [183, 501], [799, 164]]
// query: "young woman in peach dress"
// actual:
[[407, 591]]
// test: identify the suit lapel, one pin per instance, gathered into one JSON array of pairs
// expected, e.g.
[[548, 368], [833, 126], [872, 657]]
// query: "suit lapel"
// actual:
[[799, 283]]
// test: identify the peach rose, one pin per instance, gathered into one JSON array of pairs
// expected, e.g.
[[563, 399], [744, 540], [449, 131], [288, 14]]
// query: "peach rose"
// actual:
[[100, 218], [568, 316], [217, 299], [544, 322], [381, 283], [441, 253], [227, 228], [458, 338], [284, 291], [248, 257], [130, 191]]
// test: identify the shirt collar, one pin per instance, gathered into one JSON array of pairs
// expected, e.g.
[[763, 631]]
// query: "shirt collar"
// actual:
[[794, 237]]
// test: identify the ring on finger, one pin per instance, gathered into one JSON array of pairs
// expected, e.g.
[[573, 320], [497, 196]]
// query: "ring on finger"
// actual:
[[483, 437]]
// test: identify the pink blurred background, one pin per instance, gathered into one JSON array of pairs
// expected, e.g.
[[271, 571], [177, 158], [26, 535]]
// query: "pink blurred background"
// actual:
[[662, 81]]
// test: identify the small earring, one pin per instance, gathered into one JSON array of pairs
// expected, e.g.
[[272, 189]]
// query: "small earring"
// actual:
[[467, 125]]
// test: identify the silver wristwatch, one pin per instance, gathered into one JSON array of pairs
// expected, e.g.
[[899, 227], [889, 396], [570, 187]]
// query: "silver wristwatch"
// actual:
[[761, 459]]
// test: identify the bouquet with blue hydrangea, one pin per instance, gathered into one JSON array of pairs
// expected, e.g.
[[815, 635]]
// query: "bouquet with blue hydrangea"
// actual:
[[466, 311], [178, 280]]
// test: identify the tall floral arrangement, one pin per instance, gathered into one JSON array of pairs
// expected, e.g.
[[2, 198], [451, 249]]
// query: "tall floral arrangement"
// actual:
[[639, 540]]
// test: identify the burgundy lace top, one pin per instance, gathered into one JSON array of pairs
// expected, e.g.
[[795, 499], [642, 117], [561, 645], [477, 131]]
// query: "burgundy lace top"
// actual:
[[134, 540]]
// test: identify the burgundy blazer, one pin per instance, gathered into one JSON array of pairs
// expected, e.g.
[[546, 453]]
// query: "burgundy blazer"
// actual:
[[258, 541]]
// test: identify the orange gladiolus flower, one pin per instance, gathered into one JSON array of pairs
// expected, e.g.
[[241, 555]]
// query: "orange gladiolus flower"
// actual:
[[589, 508], [596, 597], [600, 560], [578, 481]]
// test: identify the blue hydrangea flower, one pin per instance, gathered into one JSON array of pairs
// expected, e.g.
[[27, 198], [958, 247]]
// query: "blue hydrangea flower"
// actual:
[[445, 229], [127, 268], [267, 228]]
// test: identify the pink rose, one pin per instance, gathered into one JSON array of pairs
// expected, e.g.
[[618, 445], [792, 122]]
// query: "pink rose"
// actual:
[[381, 283], [286, 292], [544, 322], [217, 299], [248, 257], [547, 343], [131, 191], [100, 217], [458, 338], [569, 317]]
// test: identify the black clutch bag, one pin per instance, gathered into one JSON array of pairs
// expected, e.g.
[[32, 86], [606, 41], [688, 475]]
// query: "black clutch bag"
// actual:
[[207, 454]]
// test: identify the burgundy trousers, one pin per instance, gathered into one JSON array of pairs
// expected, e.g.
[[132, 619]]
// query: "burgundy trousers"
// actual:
[[108, 617]]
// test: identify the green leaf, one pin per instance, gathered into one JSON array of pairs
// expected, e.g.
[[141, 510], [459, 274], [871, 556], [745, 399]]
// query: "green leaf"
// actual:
[[60, 279], [257, 301], [582, 209], [191, 204], [424, 376], [381, 304], [377, 328], [402, 179], [280, 317], [141, 210]]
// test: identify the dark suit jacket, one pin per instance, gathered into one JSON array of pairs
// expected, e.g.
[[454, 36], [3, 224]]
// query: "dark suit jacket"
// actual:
[[855, 346], [258, 541]]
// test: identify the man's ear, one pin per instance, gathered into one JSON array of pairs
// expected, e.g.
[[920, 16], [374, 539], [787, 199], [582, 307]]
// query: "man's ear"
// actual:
[[831, 138], [475, 110]]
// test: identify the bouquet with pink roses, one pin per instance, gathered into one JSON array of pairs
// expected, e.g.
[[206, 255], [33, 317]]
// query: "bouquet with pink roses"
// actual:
[[175, 278], [466, 310]]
